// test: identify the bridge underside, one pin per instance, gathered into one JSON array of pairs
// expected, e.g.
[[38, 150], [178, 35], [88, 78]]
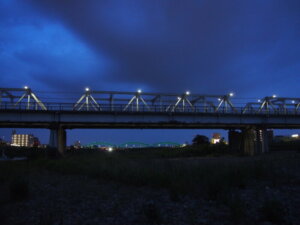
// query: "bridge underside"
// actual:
[[132, 120], [142, 126], [251, 140]]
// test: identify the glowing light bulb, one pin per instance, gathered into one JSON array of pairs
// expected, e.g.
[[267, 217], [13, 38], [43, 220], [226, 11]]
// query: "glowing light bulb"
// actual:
[[26, 87], [139, 91], [87, 89], [187, 93], [231, 94]]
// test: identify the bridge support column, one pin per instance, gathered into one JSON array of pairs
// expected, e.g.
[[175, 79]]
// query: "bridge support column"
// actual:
[[53, 138], [262, 141], [58, 139], [249, 141], [254, 141], [62, 137]]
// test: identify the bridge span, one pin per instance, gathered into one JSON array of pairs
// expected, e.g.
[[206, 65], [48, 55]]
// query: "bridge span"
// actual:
[[20, 107]]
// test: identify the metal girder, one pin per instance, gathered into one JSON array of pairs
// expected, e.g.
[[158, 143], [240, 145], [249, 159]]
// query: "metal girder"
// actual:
[[136, 98], [152, 102], [28, 95], [266, 103], [182, 100], [226, 103], [88, 101]]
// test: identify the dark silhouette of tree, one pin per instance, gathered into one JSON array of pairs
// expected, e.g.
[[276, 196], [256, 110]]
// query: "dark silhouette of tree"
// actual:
[[222, 141], [200, 140]]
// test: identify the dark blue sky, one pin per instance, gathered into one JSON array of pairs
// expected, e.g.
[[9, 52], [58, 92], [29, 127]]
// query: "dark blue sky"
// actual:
[[205, 46]]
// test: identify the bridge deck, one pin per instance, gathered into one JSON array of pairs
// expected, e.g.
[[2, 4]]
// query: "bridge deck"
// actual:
[[128, 119]]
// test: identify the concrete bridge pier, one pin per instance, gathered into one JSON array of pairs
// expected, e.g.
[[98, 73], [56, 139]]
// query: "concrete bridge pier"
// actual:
[[58, 139], [249, 145], [53, 138], [262, 140], [250, 141], [255, 141]]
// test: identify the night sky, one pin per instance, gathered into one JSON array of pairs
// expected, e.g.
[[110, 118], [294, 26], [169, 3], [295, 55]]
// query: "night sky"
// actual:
[[205, 46]]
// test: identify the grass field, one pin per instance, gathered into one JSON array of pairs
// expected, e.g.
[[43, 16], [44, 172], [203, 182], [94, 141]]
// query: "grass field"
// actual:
[[207, 185], [181, 171]]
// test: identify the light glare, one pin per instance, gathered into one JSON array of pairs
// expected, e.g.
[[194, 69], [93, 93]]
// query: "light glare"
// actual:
[[139, 91], [87, 89]]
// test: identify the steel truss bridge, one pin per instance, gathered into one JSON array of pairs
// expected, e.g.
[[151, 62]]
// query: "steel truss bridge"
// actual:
[[115, 101], [21, 107]]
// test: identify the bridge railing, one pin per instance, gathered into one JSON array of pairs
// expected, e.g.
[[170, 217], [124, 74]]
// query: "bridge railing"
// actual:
[[143, 109]]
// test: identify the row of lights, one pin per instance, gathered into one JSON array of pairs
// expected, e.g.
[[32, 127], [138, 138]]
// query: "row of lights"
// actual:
[[273, 96], [187, 92], [231, 94]]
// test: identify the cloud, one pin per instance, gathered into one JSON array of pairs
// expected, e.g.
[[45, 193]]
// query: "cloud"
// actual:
[[44, 54], [204, 46]]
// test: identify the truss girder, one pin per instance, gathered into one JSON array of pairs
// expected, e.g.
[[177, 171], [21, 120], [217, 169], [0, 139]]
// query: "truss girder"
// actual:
[[28, 95], [155, 102]]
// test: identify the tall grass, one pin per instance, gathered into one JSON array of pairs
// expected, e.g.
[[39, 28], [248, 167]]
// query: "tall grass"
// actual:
[[212, 177], [209, 176]]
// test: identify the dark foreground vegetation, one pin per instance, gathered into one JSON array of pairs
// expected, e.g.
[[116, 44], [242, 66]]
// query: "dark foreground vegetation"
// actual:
[[233, 189]]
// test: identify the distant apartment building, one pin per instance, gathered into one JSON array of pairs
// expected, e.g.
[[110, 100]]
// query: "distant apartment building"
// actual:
[[215, 138], [23, 140]]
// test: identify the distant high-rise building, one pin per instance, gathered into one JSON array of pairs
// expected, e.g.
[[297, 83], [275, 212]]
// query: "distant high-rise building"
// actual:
[[24, 140]]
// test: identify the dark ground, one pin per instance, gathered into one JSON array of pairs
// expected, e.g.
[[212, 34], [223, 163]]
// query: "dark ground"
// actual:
[[151, 187]]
